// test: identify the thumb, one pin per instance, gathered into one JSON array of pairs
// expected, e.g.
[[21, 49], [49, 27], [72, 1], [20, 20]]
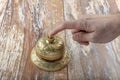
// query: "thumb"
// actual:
[[82, 37]]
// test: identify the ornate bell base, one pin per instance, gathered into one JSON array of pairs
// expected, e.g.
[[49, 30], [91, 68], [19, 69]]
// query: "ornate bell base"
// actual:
[[49, 65]]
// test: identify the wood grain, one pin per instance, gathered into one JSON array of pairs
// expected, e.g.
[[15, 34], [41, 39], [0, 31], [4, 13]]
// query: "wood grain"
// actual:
[[23, 22]]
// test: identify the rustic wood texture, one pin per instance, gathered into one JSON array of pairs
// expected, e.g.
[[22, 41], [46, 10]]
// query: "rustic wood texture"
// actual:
[[23, 22]]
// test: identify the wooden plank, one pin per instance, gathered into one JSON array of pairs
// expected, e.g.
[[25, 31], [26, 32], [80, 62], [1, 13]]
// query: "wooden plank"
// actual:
[[23, 22], [75, 71], [11, 41], [94, 62], [48, 13]]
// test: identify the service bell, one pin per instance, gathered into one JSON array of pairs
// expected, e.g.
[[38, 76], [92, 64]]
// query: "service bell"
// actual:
[[50, 54]]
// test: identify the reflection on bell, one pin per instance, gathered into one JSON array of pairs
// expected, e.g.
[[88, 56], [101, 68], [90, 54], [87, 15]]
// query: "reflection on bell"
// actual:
[[50, 54]]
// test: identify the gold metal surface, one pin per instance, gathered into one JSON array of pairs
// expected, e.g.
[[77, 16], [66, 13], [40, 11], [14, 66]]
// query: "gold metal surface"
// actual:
[[50, 54]]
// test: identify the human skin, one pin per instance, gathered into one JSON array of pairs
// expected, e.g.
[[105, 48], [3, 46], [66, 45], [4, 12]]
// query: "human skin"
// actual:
[[96, 29]]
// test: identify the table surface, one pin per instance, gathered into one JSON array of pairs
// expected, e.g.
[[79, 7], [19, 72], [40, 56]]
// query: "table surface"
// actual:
[[23, 22]]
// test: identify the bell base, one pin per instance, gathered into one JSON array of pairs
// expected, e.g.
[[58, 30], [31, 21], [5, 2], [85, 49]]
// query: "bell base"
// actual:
[[49, 65]]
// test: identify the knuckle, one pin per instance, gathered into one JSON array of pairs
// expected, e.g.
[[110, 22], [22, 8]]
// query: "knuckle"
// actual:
[[84, 23], [75, 37], [79, 37]]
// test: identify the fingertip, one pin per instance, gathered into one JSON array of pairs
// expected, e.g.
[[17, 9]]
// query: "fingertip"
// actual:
[[51, 33]]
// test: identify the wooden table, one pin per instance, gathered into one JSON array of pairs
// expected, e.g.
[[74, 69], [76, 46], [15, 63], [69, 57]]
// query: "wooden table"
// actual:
[[23, 22]]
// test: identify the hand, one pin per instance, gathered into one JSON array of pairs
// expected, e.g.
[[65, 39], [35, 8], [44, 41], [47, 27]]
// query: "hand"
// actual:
[[96, 29]]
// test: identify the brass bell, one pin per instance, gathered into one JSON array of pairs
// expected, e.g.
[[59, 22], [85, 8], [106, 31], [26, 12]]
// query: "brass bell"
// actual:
[[50, 54]]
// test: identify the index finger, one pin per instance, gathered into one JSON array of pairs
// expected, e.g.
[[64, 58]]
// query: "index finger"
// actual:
[[63, 26]]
